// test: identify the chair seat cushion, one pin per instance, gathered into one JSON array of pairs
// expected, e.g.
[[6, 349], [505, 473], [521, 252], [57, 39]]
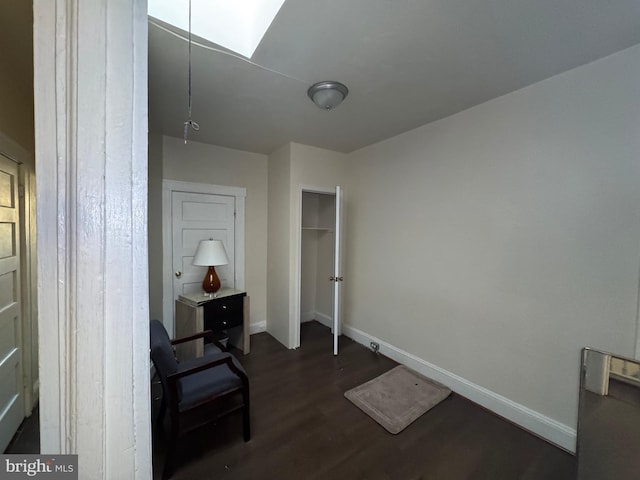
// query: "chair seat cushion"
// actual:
[[210, 349], [201, 386]]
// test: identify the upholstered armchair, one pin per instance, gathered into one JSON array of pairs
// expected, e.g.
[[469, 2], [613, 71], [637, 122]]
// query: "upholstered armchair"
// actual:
[[199, 390]]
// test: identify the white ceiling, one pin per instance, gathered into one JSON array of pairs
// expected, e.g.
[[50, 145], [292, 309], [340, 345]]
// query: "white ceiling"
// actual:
[[406, 63]]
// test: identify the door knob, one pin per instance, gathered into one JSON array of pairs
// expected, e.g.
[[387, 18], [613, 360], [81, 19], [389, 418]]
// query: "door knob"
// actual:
[[332, 279], [178, 274]]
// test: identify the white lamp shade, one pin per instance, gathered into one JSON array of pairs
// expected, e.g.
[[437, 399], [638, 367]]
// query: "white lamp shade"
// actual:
[[210, 253]]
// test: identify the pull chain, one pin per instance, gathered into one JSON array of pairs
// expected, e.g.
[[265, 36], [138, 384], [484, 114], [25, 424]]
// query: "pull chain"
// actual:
[[190, 122]]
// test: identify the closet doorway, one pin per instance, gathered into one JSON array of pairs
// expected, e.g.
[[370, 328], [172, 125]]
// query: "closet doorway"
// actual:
[[320, 271]]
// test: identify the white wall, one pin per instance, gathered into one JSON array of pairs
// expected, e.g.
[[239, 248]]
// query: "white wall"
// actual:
[[155, 226], [310, 167], [16, 74], [16, 114], [290, 168], [203, 163], [278, 277], [316, 167], [498, 242]]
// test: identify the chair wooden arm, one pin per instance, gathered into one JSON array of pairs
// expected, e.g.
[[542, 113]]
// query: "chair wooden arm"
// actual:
[[204, 334], [226, 359], [195, 336]]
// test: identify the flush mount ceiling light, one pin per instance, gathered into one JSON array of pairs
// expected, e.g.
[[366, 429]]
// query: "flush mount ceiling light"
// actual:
[[328, 95]]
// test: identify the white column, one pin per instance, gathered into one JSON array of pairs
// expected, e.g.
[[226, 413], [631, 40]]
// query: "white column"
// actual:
[[90, 87]]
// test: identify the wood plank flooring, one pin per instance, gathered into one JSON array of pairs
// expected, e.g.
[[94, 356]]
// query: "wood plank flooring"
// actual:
[[27, 438], [304, 428]]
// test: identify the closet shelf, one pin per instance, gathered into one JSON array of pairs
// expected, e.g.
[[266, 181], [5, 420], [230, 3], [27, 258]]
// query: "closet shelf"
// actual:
[[319, 229]]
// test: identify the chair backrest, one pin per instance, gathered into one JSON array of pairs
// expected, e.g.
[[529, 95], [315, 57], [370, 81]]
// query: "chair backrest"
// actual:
[[162, 353]]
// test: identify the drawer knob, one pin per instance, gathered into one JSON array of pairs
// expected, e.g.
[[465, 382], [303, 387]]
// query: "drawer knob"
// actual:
[[224, 307]]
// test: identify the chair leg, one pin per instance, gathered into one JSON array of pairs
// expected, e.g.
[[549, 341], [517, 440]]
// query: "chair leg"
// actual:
[[169, 461], [163, 409], [246, 416]]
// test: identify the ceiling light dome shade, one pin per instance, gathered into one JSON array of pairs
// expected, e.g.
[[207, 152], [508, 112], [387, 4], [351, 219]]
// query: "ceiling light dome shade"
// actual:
[[328, 95]]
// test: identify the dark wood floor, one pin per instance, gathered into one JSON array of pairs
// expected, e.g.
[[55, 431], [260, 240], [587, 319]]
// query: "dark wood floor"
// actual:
[[27, 438], [304, 428]]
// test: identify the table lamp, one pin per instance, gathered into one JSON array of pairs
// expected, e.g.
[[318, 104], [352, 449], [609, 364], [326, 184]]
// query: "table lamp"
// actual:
[[210, 253]]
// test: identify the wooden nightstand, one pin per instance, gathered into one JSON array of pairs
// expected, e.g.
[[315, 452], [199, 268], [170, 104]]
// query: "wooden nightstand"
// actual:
[[226, 310]]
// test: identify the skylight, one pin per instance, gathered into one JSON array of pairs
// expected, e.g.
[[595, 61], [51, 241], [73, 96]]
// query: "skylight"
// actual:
[[238, 25]]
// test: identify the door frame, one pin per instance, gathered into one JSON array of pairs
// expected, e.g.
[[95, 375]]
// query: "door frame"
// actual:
[[637, 352], [170, 186], [28, 287], [294, 321], [91, 136]]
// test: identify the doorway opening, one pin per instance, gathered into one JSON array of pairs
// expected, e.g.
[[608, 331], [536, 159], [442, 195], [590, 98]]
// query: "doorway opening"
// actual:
[[317, 257], [318, 289]]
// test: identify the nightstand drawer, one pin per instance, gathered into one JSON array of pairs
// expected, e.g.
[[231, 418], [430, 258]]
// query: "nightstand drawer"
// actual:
[[223, 313], [227, 314]]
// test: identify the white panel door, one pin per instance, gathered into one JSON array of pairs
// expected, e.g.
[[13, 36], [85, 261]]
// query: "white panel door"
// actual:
[[195, 217], [337, 271], [11, 402]]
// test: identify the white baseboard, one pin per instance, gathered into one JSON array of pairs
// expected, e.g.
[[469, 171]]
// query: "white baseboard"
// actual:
[[257, 327], [36, 391], [324, 319], [551, 430], [307, 316]]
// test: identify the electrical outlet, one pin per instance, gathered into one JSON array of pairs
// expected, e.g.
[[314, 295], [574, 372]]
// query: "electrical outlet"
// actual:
[[374, 346]]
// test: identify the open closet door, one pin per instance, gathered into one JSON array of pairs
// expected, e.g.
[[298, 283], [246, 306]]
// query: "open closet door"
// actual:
[[337, 271]]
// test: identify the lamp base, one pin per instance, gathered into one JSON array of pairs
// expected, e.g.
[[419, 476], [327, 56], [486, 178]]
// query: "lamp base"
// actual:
[[211, 282]]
